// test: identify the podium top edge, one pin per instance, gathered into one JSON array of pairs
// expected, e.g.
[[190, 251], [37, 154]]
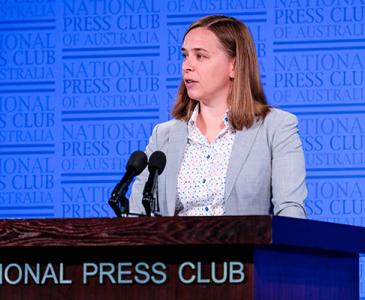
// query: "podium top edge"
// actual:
[[318, 235], [182, 231]]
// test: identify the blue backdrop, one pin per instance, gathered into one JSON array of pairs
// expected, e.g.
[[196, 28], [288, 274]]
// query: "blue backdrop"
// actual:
[[82, 84]]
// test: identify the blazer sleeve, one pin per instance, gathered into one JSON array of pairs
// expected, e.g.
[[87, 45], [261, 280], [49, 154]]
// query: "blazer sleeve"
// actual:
[[289, 189], [135, 201]]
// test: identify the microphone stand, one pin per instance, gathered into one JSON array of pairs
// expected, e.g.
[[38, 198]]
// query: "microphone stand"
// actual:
[[120, 205], [149, 202], [151, 206]]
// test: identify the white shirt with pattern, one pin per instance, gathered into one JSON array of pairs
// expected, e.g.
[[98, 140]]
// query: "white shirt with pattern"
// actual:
[[202, 177]]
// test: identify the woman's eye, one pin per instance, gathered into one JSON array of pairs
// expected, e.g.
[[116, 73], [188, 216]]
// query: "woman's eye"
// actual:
[[200, 56], [183, 55]]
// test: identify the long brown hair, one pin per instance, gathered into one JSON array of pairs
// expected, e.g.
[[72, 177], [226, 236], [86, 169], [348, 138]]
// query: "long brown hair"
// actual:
[[246, 101]]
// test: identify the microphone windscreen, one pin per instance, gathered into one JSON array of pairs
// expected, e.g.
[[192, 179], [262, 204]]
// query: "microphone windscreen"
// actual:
[[157, 162], [137, 162]]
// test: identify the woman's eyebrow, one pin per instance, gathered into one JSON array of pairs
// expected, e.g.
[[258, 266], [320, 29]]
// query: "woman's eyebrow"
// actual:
[[194, 49]]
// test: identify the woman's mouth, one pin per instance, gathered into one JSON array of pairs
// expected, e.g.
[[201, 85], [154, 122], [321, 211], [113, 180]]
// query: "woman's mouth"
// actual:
[[189, 83]]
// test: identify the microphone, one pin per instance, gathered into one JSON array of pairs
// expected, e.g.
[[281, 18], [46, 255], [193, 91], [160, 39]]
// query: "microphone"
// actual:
[[156, 165], [137, 162]]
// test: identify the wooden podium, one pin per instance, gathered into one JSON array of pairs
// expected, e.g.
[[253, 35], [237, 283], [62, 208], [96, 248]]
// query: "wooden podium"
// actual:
[[238, 257]]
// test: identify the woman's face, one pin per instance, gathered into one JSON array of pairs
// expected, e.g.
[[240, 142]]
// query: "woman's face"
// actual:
[[207, 68]]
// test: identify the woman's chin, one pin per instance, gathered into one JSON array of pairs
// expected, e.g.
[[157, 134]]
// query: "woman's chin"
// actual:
[[194, 96]]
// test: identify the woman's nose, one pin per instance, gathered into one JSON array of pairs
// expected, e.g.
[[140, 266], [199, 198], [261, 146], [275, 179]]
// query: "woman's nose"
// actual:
[[187, 65]]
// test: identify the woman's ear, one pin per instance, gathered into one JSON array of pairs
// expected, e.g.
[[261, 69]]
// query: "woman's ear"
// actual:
[[231, 74]]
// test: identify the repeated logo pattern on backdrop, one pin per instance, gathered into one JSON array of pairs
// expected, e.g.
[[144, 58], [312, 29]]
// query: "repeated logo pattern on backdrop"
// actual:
[[82, 84]]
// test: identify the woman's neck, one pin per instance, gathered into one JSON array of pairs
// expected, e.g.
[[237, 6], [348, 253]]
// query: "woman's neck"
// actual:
[[210, 120]]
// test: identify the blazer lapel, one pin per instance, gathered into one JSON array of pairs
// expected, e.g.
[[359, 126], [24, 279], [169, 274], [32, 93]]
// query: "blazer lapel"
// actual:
[[240, 150], [175, 151]]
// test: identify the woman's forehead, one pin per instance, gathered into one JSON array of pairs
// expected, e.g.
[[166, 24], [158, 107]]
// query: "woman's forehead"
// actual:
[[201, 39]]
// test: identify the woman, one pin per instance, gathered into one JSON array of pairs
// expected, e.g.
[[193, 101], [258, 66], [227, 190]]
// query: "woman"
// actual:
[[228, 152]]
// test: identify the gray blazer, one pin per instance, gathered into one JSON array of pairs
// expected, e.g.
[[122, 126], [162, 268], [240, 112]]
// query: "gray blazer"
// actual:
[[266, 170]]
